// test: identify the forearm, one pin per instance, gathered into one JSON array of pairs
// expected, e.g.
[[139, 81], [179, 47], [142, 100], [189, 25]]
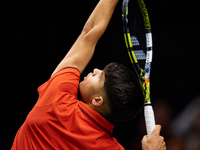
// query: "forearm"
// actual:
[[83, 49], [99, 19]]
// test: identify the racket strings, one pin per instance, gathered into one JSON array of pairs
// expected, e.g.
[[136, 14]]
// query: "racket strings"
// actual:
[[137, 32]]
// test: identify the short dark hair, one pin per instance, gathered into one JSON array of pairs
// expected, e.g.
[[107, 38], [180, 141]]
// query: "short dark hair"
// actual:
[[123, 92]]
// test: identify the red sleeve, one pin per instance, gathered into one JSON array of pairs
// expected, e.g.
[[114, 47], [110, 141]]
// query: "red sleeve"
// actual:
[[63, 82]]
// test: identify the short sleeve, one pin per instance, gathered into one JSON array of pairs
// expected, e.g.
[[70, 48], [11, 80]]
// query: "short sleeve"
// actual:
[[65, 81]]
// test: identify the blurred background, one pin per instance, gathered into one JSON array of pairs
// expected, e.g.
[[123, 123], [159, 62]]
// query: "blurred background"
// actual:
[[35, 37]]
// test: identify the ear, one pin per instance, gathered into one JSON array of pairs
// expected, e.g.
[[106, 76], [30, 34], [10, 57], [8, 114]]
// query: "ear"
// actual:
[[97, 101]]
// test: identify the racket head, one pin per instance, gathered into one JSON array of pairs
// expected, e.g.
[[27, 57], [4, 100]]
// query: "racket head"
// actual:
[[138, 39]]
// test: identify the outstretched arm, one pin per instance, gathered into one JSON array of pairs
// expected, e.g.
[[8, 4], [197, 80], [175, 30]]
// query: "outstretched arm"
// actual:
[[83, 49]]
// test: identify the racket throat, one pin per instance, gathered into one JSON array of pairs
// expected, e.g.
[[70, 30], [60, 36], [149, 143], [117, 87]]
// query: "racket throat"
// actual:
[[147, 103], [146, 81]]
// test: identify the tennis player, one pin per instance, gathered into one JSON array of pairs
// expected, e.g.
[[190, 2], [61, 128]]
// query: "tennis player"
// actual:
[[60, 121]]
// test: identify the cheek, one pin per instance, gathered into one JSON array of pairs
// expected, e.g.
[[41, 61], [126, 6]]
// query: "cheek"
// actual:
[[88, 86]]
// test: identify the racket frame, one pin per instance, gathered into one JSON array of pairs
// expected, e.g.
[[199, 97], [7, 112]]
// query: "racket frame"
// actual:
[[143, 74]]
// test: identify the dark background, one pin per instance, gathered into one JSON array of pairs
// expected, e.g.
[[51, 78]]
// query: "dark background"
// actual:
[[36, 36]]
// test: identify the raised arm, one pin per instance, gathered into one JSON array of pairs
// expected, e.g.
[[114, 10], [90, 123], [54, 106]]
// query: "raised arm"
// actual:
[[83, 49]]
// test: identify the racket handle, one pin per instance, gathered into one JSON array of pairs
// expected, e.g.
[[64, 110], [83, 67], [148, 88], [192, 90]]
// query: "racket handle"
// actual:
[[149, 119]]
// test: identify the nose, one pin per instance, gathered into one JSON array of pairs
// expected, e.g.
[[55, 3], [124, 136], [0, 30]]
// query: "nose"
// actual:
[[96, 71]]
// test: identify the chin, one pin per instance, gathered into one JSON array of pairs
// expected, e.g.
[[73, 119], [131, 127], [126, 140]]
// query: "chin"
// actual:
[[80, 97]]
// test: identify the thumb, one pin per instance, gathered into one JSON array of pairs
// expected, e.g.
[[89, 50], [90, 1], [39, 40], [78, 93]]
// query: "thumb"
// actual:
[[156, 130]]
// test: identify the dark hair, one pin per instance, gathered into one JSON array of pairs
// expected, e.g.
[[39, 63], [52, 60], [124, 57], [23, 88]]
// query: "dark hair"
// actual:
[[123, 92]]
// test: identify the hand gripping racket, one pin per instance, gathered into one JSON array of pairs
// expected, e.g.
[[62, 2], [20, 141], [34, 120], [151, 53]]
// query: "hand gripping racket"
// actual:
[[138, 39]]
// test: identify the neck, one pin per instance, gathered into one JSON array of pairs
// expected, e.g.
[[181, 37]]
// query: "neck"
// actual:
[[102, 110]]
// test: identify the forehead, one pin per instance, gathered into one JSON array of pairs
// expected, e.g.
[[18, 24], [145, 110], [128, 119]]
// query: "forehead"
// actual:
[[102, 77]]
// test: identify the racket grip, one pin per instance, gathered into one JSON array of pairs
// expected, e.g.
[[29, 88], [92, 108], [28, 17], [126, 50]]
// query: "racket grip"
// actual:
[[149, 119]]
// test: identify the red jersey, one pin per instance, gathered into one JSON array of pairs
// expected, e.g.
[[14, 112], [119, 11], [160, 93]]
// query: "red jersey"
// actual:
[[60, 121]]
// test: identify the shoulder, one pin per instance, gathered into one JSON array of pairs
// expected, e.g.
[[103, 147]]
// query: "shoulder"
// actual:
[[67, 70], [64, 79]]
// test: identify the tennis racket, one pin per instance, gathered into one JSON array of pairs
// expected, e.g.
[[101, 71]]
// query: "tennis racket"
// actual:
[[138, 39]]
